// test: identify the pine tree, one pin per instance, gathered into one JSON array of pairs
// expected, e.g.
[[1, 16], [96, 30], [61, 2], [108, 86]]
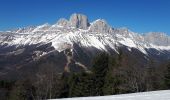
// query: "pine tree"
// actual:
[[108, 85], [108, 88], [81, 84], [100, 69]]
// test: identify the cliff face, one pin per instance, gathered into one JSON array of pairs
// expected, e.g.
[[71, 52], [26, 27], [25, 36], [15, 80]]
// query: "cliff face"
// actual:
[[159, 39], [79, 21], [100, 26]]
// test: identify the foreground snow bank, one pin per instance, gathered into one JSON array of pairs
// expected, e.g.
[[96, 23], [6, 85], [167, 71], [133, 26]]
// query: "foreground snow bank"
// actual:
[[153, 95]]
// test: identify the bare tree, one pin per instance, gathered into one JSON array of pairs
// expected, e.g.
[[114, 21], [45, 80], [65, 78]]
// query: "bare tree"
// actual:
[[46, 82]]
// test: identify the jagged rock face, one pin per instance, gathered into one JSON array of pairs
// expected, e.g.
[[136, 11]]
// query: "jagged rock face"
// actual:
[[63, 22], [159, 39], [100, 26], [79, 21]]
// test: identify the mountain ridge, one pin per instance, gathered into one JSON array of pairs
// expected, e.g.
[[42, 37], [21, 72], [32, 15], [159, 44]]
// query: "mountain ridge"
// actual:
[[79, 30]]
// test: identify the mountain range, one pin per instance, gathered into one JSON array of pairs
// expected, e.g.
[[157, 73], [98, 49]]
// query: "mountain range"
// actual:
[[72, 44]]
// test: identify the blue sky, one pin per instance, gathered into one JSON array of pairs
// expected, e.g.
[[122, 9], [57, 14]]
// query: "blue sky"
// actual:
[[138, 15]]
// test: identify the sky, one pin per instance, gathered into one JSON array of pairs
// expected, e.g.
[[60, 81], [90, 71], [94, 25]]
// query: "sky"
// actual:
[[140, 16]]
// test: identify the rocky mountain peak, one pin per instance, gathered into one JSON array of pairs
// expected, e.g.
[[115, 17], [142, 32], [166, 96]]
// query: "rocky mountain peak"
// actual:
[[157, 38], [100, 26], [79, 21], [63, 22]]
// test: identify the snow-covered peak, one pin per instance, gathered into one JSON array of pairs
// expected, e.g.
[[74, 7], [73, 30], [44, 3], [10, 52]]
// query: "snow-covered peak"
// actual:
[[43, 27], [23, 30]]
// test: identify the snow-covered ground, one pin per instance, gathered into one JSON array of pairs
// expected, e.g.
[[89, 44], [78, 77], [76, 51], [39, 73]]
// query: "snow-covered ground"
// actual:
[[153, 95]]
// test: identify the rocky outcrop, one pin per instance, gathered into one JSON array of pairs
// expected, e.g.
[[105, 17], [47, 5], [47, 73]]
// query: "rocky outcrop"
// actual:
[[100, 26], [159, 39], [63, 22], [79, 21]]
